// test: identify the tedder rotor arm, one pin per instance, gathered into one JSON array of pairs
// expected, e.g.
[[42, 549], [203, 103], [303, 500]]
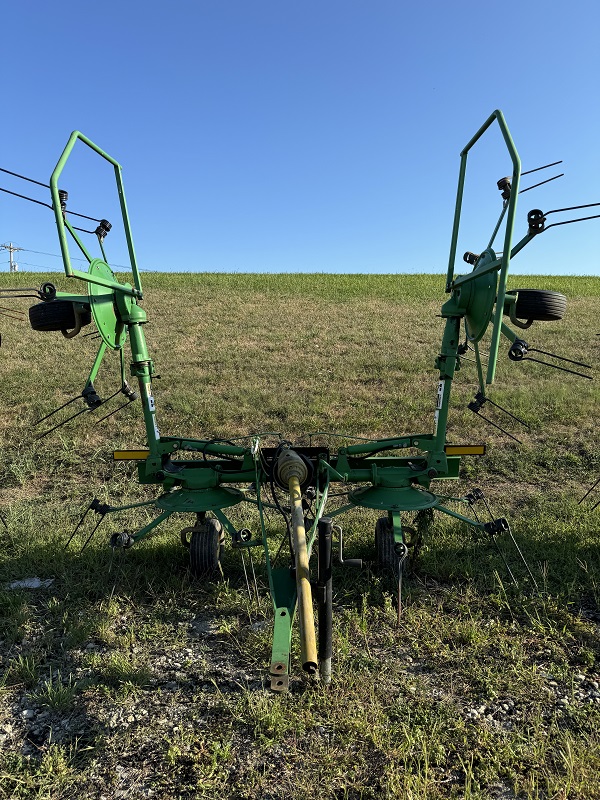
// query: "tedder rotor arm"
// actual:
[[114, 305]]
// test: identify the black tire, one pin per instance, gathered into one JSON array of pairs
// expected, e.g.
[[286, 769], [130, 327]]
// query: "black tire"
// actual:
[[206, 545], [539, 305], [385, 551], [56, 315]]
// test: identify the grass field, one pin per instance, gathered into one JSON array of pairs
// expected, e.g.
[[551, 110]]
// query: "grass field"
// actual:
[[126, 678]]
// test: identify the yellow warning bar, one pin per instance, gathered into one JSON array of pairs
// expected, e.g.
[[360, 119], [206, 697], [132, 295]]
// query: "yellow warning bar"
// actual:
[[465, 449], [131, 455]]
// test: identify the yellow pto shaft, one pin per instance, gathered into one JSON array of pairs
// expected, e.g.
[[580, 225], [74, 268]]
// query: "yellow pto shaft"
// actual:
[[308, 643]]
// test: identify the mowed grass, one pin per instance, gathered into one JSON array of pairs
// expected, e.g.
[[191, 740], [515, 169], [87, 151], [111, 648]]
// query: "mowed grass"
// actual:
[[126, 675]]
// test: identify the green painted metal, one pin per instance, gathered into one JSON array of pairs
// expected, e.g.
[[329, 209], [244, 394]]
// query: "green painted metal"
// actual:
[[451, 284], [102, 304], [479, 313], [60, 222], [402, 498], [96, 365], [455, 515], [446, 362], [197, 500], [151, 526], [397, 527]]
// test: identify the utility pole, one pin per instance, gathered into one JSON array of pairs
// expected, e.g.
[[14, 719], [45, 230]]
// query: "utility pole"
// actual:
[[14, 267]]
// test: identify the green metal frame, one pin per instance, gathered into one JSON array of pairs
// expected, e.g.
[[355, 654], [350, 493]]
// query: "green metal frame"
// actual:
[[393, 475]]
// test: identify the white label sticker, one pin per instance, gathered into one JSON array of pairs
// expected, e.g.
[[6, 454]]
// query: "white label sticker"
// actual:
[[435, 421], [151, 403], [156, 431], [440, 394]]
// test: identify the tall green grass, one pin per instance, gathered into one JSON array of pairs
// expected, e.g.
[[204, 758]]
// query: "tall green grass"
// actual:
[[121, 633]]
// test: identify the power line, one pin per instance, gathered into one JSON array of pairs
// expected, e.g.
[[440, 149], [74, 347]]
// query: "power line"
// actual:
[[54, 255], [29, 264], [47, 205], [44, 267]]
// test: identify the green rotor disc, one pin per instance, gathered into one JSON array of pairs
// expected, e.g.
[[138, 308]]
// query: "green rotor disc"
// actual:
[[197, 500], [482, 298], [104, 306], [404, 498]]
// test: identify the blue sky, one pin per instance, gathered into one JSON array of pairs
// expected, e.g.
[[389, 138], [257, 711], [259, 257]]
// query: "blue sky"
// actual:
[[283, 136]]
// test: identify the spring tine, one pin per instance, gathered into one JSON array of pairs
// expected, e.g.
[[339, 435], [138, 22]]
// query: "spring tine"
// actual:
[[481, 352], [89, 539], [571, 208], [514, 541], [487, 507], [560, 358], [106, 416], [64, 405], [471, 360], [589, 491], [3, 520], [500, 551], [60, 424], [400, 571], [541, 183], [517, 419], [110, 397], [284, 539], [563, 369], [254, 578], [538, 169], [508, 569], [569, 221], [489, 421], [474, 510], [246, 575], [13, 292], [400, 574], [401, 561], [83, 516]]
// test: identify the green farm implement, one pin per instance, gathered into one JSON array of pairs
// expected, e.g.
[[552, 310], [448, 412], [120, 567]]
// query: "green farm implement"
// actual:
[[396, 476]]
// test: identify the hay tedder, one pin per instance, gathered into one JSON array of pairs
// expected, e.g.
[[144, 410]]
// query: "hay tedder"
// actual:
[[396, 476]]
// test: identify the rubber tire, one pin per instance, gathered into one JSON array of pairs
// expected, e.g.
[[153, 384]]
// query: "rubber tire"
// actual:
[[206, 545], [540, 305], [56, 315], [385, 552]]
